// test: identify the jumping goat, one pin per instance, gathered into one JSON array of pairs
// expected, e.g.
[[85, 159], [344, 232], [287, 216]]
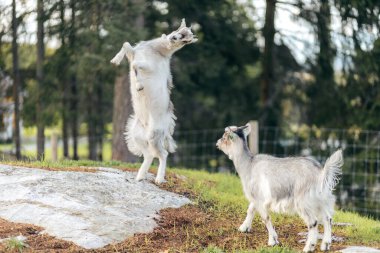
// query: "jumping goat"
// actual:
[[149, 130]]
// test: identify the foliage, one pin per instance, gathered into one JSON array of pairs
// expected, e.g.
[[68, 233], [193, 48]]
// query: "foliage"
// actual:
[[14, 244], [217, 79], [214, 66], [362, 86]]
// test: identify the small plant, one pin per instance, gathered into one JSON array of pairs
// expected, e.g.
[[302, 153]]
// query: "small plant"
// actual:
[[276, 249], [212, 249], [16, 244]]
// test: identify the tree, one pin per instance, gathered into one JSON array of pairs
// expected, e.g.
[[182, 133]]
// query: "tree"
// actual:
[[360, 85], [40, 80], [121, 110], [323, 91], [215, 83], [122, 106], [64, 60], [16, 82], [73, 108], [267, 75], [94, 89]]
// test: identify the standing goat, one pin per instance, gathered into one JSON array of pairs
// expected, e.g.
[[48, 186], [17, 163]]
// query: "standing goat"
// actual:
[[149, 131], [293, 185]]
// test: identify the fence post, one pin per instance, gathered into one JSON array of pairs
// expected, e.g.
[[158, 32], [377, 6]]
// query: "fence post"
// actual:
[[54, 146], [253, 138]]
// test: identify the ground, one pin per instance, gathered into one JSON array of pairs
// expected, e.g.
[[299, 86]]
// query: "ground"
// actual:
[[208, 225]]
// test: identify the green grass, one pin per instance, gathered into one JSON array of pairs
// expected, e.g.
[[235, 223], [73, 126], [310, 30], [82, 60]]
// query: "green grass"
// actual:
[[82, 151], [14, 244], [276, 249], [226, 193], [61, 164], [223, 193], [364, 230]]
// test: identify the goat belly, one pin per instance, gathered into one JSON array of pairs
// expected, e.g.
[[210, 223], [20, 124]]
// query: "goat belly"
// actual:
[[283, 206]]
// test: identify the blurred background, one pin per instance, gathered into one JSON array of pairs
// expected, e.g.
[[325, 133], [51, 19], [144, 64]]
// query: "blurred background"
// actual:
[[308, 72]]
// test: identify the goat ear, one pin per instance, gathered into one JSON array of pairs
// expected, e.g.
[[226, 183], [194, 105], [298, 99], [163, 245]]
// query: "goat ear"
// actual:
[[183, 24], [247, 129]]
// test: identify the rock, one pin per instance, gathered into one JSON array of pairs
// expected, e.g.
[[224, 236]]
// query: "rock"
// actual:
[[342, 224], [359, 249], [89, 209], [320, 237]]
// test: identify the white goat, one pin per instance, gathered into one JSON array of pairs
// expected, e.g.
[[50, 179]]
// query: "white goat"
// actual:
[[293, 185], [149, 131]]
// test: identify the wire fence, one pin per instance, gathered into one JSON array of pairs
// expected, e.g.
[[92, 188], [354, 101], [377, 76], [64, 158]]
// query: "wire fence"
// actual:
[[359, 187]]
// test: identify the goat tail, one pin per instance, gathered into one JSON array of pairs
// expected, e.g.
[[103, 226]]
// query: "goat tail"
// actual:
[[331, 171], [170, 144], [133, 128]]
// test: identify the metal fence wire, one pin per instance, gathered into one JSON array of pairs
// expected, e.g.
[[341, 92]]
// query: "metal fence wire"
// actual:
[[359, 187]]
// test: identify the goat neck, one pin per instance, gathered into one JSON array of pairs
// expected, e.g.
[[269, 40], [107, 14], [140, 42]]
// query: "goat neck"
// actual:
[[242, 159]]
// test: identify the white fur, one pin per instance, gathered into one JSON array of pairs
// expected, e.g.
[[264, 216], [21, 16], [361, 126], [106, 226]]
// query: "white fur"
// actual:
[[292, 185], [149, 130]]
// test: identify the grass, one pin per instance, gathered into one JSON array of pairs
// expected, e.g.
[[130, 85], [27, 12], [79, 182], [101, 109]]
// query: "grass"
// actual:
[[222, 196], [226, 193], [82, 151], [29, 134], [276, 249], [62, 164], [14, 244], [364, 230]]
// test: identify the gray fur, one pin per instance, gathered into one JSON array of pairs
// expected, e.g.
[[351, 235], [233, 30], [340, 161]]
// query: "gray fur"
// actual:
[[292, 185]]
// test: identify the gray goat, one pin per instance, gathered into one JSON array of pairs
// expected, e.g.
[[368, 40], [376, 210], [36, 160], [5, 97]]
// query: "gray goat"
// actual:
[[292, 185]]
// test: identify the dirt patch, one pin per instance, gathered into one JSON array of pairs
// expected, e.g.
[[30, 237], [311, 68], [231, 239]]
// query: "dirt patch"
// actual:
[[189, 229], [186, 229], [37, 242]]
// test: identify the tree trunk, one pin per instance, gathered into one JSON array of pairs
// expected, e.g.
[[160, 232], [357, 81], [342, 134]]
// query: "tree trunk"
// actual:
[[323, 91], [267, 76], [100, 123], [326, 53], [63, 80], [73, 85], [91, 129], [122, 106], [122, 109], [40, 80], [16, 83], [74, 115]]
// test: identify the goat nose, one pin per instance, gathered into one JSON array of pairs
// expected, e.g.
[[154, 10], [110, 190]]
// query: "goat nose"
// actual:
[[140, 88]]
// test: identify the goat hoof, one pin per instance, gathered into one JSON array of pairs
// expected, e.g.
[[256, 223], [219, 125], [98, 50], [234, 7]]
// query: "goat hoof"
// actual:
[[244, 229], [325, 246], [159, 180], [309, 248], [139, 178], [273, 242]]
